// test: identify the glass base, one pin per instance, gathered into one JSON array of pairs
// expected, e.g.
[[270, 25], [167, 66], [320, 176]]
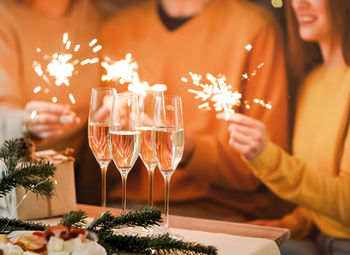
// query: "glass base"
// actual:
[[135, 231], [149, 231]]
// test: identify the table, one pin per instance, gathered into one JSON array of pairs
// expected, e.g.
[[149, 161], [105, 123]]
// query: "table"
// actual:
[[228, 237], [278, 235]]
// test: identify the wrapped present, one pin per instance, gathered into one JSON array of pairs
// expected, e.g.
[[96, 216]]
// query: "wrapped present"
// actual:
[[7, 203], [64, 198]]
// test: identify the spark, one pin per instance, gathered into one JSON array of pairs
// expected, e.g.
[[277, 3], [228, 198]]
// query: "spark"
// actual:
[[54, 100], [248, 47], [205, 105], [247, 76], [85, 61], [38, 50], [93, 42], [76, 48], [68, 44], [262, 103], [33, 114], [36, 89], [37, 68], [97, 48], [126, 71], [71, 97], [65, 38], [94, 60]]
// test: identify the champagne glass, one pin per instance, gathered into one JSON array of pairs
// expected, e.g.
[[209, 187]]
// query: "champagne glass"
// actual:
[[147, 102], [124, 136], [169, 137], [98, 130]]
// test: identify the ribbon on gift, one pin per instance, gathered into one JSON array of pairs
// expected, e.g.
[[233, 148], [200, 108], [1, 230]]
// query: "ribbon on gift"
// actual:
[[54, 156]]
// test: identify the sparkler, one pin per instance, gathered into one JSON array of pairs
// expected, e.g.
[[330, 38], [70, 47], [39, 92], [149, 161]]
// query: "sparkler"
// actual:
[[218, 94], [126, 71], [60, 67]]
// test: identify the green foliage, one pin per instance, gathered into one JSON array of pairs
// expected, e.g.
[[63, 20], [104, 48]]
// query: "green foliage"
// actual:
[[7, 224], [76, 218], [163, 244], [104, 225], [144, 217], [33, 176]]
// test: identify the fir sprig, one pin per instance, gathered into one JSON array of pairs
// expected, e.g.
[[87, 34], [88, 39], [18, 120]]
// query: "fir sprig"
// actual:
[[144, 217], [33, 176], [76, 218], [151, 245], [7, 224]]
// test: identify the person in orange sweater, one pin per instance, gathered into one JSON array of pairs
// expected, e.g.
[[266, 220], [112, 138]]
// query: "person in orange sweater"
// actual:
[[25, 26], [170, 38], [317, 176]]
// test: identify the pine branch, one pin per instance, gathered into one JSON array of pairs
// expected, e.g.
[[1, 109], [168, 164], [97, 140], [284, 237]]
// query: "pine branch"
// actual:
[[145, 216], [10, 153], [7, 224], [76, 218], [33, 176], [151, 245], [39, 169], [12, 149]]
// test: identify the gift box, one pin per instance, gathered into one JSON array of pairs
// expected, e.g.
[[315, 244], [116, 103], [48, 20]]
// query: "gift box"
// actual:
[[64, 198]]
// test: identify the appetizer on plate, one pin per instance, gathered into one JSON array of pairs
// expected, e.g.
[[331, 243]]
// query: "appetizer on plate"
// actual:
[[56, 240]]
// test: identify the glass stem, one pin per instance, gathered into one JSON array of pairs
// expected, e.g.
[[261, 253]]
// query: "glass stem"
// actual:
[[124, 176], [166, 208], [150, 186], [103, 174]]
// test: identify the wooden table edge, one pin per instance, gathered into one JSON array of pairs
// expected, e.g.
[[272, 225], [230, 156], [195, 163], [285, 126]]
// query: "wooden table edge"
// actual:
[[279, 235]]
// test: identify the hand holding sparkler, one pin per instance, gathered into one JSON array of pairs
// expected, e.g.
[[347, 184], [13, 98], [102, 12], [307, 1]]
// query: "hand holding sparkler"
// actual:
[[45, 120], [247, 135]]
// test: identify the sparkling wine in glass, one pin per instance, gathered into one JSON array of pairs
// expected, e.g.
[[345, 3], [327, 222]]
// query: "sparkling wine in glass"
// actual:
[[98, 130], [169, 141], [147, 102], [124, 136]]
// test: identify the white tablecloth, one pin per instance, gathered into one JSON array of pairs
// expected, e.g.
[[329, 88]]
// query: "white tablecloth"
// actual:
[[230, 244]]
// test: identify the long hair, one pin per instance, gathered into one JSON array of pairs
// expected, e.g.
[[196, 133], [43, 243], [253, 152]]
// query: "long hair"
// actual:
[[303, 56]]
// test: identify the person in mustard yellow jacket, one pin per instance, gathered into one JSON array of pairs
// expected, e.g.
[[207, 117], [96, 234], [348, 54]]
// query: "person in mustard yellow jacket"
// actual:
[[317, 175], [170, 38]]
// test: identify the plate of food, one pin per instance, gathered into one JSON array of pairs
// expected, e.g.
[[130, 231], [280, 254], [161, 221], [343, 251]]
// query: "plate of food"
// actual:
[[55, 240]]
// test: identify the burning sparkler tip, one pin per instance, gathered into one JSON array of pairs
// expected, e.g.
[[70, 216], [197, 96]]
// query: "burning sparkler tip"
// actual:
[[248, 47]]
